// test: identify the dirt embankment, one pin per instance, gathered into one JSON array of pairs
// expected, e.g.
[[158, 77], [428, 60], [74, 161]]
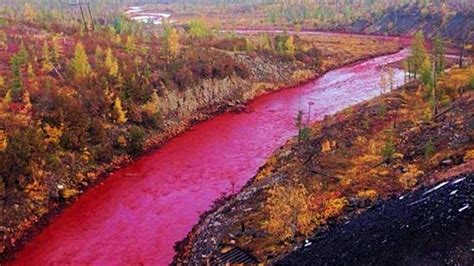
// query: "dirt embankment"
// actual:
[[20, 220], [349, 161]]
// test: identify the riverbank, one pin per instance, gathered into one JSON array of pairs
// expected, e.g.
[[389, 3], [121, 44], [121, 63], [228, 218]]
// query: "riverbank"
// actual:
[[192, 114], [371, 151]]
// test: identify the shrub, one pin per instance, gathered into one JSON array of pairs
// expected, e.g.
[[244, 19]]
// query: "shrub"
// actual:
[[184, 77], [388, 150], [136, 140]]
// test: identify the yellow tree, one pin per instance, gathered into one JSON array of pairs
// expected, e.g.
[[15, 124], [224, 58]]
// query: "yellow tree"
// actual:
[[290, 46], [80, 63], [55, 50], [46, 65], [3, 141], [172, 41], [111, 63], [28, 12], [119, 114], [130, 45]]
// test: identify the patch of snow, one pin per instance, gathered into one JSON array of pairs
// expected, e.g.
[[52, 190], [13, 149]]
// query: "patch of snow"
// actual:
[[463, 208], [436, 188], [458, 180], [134, 9], [418, 201], [453, 192]]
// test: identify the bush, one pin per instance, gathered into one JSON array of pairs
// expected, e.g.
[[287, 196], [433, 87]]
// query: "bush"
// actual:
[[184, 77], [136, 140]]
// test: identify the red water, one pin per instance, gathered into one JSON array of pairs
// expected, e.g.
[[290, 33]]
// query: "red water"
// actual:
[[138, 213]]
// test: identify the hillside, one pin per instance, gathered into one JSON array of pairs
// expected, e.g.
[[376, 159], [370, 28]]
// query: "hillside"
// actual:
[[456, 26]]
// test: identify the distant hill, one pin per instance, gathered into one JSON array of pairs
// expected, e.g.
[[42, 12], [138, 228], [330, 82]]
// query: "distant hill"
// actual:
[[455, 26]]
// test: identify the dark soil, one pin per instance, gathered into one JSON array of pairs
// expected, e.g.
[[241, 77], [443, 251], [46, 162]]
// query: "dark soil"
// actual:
[[427, 227]]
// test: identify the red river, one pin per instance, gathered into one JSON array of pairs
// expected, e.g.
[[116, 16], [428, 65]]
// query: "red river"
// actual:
[[140, 211]]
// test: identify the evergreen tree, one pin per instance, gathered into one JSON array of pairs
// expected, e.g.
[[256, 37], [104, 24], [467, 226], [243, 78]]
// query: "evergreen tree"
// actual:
[[17, 62], [438, 54], [80, 63]]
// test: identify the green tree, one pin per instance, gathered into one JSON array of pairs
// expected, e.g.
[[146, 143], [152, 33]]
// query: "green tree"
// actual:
[[198, 29], [418, 53], [80, 63], [17, 62], [438, 54], [426, 73]]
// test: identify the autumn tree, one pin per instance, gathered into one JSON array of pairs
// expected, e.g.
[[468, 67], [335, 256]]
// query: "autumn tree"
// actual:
[[418, 53], [28, 13], [290, 46], [80, 63], [55, 50], [46, 65], [171, 41], [119, 114], [130, 45], [111, 63]]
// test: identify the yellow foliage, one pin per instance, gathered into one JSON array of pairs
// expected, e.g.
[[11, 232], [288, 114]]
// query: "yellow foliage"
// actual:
[[469, 155], [288, 211], [334, 207], [28, 12], [410, 178], [172, 41], [130, 45], [120, 114], [290, 46], [122, 141], [152, 106], [111, 63], [367, 194], [3, 141], [36, 191], [53, 134], [69, 193], [327, 145]]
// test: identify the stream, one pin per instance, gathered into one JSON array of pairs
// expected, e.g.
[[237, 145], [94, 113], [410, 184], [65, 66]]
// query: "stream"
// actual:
[[137, 214]]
